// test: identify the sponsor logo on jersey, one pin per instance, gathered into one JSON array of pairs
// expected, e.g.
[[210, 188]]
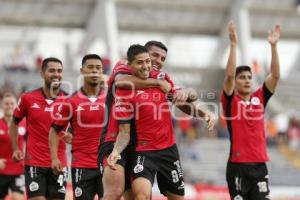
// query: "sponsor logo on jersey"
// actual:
[[48, 109]]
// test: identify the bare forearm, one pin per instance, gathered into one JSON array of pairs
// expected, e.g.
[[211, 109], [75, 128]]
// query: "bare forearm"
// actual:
[[53, 143], [123, 138], [275, 68], [13, 134], [192, 109], [231, 62], [132, 82], [192, 95]]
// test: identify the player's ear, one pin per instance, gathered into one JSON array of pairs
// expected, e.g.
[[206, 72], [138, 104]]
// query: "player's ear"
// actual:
[[42, 73], [81, 71]]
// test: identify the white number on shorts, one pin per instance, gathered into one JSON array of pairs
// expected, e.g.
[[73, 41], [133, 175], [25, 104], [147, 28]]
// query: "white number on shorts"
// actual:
[[175, 176], [60, 180], [262, 186]]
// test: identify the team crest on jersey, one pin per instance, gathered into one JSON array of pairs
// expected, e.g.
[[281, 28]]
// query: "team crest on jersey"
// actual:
[[21, 131], [2, 132], [34, 186], [255, 101], [78, 192]]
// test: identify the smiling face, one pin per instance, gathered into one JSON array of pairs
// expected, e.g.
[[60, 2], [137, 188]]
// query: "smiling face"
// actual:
[[141, 65], [52, 75], [243, 83], [158, 57], [92, 71]]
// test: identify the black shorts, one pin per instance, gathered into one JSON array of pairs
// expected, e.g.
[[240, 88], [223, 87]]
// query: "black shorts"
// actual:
[[163, 163], [40, 181], [105, 150], [248, 181], [86, 183], [14, 183]]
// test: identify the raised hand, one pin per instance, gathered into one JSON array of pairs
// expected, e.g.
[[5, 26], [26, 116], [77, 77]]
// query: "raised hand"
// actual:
[[274, 35], [232, 32]]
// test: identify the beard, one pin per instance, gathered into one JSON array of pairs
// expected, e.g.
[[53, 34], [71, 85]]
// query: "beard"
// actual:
[[94, 84], [52, 86]]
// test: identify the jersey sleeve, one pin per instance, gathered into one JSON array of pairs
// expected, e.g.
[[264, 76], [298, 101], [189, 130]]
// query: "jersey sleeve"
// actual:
[[265, 94], [21, 110], [120, 68], [123, 107], [62, 114], [226, 101]]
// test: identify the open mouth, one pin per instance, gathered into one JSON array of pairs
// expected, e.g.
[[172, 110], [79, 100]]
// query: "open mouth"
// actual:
[[55, 81]]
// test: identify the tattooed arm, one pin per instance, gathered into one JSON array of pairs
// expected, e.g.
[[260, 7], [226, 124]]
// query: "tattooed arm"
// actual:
[[121, 143]]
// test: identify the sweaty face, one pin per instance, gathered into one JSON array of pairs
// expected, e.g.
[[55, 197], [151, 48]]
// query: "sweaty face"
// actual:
[[158, 57], [243, 83], [8, 106], [141, 65], [53, 75], [92, 71]]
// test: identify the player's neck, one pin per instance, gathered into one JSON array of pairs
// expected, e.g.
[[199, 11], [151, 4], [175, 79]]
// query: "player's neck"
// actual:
[[91, 90], [8, 119], [50, 94], [245, 97]]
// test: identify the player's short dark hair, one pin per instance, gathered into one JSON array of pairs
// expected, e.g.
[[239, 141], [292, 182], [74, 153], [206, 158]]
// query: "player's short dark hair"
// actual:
[[241, 69], [90, 56], [50, 59], [134, 50], [159, 44]]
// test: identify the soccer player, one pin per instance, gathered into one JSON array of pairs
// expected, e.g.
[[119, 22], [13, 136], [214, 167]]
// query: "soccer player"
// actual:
[[85, 110], [158, 54], [11, 173], [154, 143], [122, 78], [37, 107], [114, 179], [247, 174]]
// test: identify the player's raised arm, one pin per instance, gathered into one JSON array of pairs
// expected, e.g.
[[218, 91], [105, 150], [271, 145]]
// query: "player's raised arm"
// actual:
[[272, 79], [231, 63]]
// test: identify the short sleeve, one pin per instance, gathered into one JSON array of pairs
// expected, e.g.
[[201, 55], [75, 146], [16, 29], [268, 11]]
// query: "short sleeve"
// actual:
[[226, 101], [267, 94], [21, 110]]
